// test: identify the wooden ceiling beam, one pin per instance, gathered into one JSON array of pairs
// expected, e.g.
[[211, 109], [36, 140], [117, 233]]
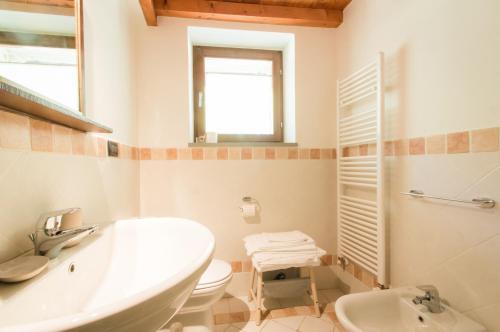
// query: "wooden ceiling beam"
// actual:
[[148, 9], [250, 13]]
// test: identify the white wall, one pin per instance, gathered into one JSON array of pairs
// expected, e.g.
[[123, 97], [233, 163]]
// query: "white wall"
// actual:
[[110, 67], [293, 194], [163, 81], [442, 76]]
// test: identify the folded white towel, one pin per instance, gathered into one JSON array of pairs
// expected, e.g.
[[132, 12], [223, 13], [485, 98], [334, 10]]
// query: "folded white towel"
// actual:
[[292, 237], [275, 261], [287, 241]]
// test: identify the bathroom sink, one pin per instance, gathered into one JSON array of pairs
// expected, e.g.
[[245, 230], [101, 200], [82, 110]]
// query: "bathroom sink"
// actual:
[[134, 275], [392, 310]]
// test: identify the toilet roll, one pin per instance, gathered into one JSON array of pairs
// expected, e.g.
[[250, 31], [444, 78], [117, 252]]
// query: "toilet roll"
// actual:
[[248, 210]]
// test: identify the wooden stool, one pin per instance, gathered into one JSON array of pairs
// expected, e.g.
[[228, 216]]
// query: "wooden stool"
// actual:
[[257, 296]]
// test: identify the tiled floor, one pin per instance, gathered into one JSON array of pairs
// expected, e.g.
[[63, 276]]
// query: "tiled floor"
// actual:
[[281, 315]]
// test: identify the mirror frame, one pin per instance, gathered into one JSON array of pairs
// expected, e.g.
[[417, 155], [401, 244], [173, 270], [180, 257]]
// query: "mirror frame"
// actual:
[[80, 54]]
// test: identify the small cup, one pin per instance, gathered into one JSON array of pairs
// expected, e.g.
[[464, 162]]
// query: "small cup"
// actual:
[[211, 137]]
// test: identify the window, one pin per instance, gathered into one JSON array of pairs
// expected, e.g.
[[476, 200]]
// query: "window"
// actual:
[[238, 94]]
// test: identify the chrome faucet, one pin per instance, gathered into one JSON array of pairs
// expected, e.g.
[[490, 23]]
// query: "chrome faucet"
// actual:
[[431, 299], [48, 237]]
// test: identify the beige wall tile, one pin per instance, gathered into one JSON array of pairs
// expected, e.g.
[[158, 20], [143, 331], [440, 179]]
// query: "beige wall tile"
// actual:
[[246, 153], [185, 154], [457, 142], [210, 154], [270, 153], [259, 153], [135, 153], [236, 266], [41, 136], [352, 151], [401, 147], [145, 154], [102, 148], [172, 154], [304, 153], [91, 145], [372, 149], [363, 150], [389, 148], [158, 154], [436, 144], [315, 154], [77, 142], [234, 153], [246, 266], [222, 154], [281, 153], [125, 152], [484, 140], [326, 154], [417, 146], [197, 154], [61, 139], [14, 131]]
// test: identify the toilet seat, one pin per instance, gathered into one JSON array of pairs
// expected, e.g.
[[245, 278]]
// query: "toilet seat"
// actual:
[[210, 288], [217, 274]]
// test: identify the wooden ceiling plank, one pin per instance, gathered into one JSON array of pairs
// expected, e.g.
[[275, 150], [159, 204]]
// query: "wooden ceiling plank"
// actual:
[[148, 9], [39, 6], [253, 13]]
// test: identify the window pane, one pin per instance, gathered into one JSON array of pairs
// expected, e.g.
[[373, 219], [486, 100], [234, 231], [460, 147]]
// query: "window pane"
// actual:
[[239, 96]]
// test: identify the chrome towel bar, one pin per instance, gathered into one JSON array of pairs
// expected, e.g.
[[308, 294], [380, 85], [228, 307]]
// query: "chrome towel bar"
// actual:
[[482, 202]]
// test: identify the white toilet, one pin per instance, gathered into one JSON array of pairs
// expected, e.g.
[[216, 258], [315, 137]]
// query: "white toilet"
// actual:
[[196, 314]]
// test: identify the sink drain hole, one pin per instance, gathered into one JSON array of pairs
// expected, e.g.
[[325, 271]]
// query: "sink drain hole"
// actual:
[[71, 268]]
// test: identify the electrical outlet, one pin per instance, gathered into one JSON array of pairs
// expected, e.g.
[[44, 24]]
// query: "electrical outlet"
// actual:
[[113, 150]]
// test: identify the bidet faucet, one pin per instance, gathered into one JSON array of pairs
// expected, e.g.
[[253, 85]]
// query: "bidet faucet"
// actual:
[[48, 237], [431, 299]]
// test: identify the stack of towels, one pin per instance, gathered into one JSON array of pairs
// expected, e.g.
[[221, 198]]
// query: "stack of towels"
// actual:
[[274, 251]]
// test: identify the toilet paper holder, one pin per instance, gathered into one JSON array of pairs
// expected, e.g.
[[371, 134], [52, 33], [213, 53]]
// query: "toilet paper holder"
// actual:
[[249, 200]]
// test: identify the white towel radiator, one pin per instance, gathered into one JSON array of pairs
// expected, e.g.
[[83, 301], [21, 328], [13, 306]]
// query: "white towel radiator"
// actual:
[[360, 195]]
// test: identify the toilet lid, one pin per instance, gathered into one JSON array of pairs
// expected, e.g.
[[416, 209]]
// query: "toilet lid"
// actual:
[[216, 272]]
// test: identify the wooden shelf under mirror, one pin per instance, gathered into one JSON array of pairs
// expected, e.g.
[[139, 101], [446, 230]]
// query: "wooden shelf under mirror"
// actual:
[[59, 49]]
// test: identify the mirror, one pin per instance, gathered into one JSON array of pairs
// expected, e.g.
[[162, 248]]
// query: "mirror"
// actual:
[[41, 46]]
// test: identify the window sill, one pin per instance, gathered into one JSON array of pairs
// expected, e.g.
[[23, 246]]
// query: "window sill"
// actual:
[[207, 145], [15, 98]]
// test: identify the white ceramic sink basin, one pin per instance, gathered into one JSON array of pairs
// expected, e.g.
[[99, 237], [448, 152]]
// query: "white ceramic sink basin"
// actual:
[[131, 276], [392, 310]]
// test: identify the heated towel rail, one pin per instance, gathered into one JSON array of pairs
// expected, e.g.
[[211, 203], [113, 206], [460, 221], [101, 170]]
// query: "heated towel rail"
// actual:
[[360, 196]]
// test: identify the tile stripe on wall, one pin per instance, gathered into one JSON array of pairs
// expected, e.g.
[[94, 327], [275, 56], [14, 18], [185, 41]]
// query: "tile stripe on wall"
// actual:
[[471, 141], [20, 132], [238, 153]]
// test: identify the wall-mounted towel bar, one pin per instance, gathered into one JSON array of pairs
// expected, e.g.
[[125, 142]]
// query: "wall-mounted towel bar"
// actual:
[[482, 202]]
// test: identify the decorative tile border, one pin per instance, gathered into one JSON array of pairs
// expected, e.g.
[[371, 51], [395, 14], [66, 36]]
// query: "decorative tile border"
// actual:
[[238, 153], [471, 141], [20, 132]]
